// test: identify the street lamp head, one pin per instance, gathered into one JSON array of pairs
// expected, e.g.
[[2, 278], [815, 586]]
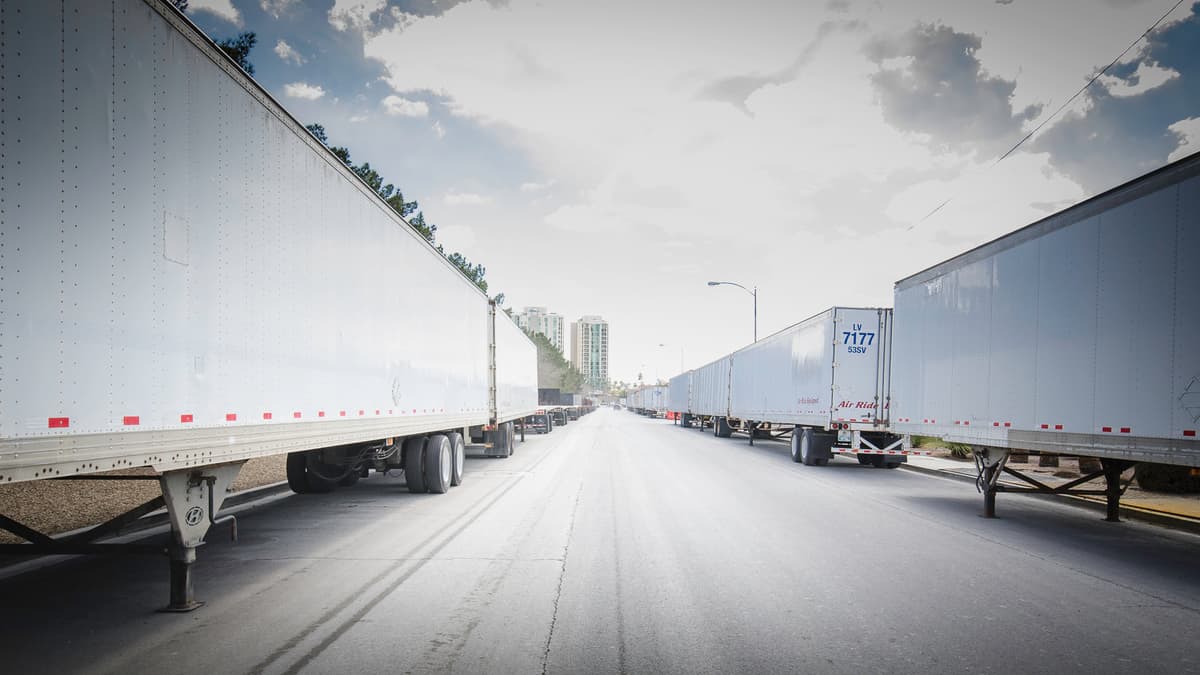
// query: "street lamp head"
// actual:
[[714, 283]]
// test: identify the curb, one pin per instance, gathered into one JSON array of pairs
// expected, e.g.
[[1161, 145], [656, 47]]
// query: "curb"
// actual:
[[1167, 519]]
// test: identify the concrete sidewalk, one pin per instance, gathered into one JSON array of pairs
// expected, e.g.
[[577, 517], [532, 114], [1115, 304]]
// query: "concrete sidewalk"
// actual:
[[1165, 509]]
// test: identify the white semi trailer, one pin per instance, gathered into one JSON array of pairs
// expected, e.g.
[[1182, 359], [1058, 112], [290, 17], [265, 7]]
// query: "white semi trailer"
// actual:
[[191, 280], [825, 382], [1075, 335]]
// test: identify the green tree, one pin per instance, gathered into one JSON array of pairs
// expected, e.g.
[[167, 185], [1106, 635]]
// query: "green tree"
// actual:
[[238, 48], [554, 371]]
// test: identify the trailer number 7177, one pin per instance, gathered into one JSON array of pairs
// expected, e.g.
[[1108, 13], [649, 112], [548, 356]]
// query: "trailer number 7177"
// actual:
[[857, 340]]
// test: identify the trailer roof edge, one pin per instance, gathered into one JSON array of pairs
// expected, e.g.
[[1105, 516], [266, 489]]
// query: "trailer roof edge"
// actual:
[[1168, 174]]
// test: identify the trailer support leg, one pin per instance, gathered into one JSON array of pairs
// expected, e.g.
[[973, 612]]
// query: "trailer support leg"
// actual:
[[193, 497], [750, 427], [183, 598], [1113, 468], [989, 462]]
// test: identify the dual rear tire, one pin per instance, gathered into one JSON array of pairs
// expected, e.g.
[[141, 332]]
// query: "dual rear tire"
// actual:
[[433, 463], [810, 448]]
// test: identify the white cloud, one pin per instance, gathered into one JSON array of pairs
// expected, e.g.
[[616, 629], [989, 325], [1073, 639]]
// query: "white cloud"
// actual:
[[785, 191], [456, 198], [402, 107], [438, 129], [277, 8], [354, 14], [288, 54], [309, 92], [1146, 77], [533, 186], [1189, 138], [222, 8]]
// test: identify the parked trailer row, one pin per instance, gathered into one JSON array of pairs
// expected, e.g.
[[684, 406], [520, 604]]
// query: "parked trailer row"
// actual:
[[1074, 335], [195, 281], [824, 382], [650, 400]]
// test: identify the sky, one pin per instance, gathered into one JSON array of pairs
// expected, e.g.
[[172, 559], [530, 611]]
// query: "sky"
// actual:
[[612, 157]]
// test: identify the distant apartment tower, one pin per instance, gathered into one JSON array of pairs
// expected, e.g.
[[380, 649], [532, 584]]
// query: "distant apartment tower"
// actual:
[[538, 320], [589, 350]]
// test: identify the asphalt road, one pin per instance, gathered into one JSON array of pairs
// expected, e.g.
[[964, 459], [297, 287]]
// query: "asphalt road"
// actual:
[[621, 544]]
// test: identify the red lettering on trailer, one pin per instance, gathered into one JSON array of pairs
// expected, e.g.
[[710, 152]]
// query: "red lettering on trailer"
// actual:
[[59, 422], [185, 419]]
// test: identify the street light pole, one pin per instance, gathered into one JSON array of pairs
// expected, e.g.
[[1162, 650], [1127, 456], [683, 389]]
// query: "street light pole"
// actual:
[[753, 294]]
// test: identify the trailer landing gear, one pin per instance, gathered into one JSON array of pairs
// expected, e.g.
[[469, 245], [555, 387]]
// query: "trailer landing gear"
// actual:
[[192, 497], [991, 462]]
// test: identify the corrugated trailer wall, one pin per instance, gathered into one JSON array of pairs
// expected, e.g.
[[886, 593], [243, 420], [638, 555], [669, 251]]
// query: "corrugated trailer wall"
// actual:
[[200, 271], [710, 388], [1077, 334]]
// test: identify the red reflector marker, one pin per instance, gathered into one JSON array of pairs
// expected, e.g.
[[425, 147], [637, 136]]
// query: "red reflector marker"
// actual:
[[1189, 432], [360, 413], [320, 413], [59, 422], [231, 417], [1058, 427], [1106, 430], [342, 413], [185, 419], [296, 415], [267, 416], [1045, 426], [131, 420], [1008, 424], [995, 424], [1125, 430]]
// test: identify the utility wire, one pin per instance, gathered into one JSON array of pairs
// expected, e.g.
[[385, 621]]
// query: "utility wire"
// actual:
[[1062, 107]]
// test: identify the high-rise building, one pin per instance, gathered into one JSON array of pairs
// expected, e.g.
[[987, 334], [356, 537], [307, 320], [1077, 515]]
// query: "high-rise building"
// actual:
[[538, 320], [589, 350]]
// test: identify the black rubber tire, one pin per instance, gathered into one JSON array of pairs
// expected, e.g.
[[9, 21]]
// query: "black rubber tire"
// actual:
[[891, 465], [458, 454], [806, 449], [511, 435], [297, 472], [414, 463], [867, 460], [317, 482], [722, 428], [439, 464], [796, 444]]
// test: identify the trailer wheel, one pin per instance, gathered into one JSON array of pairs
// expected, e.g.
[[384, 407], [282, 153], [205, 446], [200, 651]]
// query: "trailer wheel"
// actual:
[[297, 472], [807, 454], [458, 452], [866, 460], [439, 467], [414, 463], [796, 444], [721, 428]]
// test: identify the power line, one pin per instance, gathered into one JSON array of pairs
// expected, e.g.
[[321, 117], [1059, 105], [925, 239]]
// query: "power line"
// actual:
[[1062, 107]]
